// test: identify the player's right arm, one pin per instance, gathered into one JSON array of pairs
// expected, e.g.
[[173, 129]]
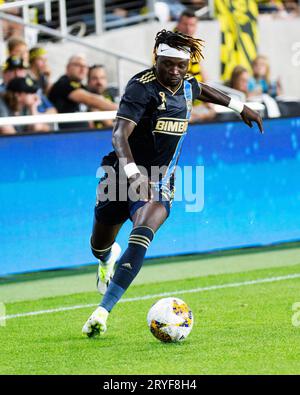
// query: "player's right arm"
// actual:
[[121, 132], [212, 95], [131, 110]]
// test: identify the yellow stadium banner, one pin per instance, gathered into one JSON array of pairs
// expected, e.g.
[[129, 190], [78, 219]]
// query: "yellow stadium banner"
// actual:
[[238, 22]]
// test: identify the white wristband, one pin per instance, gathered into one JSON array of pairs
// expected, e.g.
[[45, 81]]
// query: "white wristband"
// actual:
[[131, 169], [236, 105]]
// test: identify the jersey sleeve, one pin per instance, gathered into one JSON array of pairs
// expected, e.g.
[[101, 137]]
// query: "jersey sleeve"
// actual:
[[134, 101]]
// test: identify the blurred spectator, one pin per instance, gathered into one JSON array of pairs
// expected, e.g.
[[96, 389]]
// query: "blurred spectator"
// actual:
[[188, 24], [279, 8], [194, 4], [260, 82], [292, 7], [12, 68], [268, 6], [167, 10], [17, 67], [203, 112], [21, 98], [39, 68], [114, 11], [120, 10], [98, 83], [17, 46], [69, 94], [239, 79]]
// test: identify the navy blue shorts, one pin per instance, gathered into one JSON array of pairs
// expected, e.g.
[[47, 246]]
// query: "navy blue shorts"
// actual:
[[116, 211]]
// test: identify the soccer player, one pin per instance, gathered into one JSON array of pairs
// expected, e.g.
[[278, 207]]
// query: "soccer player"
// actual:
[[150, 127]]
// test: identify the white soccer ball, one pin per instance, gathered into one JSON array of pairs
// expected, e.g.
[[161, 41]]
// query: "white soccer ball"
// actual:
[[170, 320]]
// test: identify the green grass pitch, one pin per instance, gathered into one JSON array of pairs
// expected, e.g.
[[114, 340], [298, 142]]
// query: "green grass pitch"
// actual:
[[238, 329]]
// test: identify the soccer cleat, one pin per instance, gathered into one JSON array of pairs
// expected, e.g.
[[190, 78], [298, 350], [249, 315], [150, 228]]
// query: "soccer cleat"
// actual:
[[96, 324], [106, 269]]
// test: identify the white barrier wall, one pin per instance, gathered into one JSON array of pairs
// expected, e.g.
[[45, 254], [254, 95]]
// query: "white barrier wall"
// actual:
[[279, 40]]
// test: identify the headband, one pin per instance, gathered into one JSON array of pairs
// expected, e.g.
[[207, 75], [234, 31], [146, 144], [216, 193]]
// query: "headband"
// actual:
[[166, 50]]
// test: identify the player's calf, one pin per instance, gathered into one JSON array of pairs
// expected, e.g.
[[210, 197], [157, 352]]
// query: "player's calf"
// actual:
[[129, 265], [107, 260]]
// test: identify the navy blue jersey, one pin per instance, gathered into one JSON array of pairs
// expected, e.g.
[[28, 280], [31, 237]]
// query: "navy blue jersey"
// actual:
[[161, 118]]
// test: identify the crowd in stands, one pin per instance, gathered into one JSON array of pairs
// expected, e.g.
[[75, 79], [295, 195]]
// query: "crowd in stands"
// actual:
[[170, 10], [27, 87], [279, 8], [118, 13], [257, 84]]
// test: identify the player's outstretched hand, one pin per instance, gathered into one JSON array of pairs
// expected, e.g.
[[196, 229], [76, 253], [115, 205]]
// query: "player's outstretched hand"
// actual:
[[249, 116]]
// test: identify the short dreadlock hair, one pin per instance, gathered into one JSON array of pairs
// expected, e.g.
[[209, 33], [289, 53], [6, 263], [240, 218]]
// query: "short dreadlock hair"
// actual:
[[180, 41]]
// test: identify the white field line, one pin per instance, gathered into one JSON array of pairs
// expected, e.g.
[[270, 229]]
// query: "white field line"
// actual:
[[146, 297]]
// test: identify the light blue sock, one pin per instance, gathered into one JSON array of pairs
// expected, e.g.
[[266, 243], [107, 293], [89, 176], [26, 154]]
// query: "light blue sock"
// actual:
[[112, 296]]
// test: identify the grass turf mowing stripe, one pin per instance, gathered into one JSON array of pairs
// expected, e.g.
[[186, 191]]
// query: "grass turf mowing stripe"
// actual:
[[68, 282], [163, 294]]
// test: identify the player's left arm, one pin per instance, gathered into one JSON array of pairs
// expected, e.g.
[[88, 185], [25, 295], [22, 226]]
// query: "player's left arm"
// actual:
[[212, 95]]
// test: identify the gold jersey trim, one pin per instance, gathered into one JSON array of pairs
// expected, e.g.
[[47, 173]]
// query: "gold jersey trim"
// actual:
[[147, 77], [170, 90], [148, 80], [146, 74]]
